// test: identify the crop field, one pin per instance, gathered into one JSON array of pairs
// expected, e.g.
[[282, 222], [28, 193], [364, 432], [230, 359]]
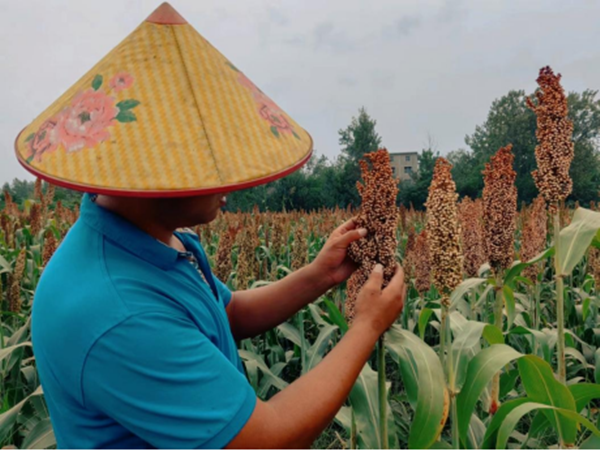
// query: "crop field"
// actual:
[[498, 342], [532, 407]]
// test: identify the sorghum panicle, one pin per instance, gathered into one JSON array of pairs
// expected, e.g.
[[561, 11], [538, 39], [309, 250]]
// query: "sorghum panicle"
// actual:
[[555, 150], [14, 291], [379, 215], [443, 231], [500, 209], [471, 228], [533, 235], [422, 263]]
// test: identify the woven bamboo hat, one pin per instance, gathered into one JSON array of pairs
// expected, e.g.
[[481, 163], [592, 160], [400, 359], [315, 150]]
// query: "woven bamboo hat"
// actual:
[[163, 114]]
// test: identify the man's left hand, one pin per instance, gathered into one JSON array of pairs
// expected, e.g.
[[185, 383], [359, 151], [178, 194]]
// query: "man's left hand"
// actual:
[[333, 262]]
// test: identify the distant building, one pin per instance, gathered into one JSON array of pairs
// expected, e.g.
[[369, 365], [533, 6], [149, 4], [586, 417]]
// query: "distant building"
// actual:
[[404, 164]]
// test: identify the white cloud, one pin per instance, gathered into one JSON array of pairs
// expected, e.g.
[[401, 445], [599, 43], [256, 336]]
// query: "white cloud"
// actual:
[[419, 66]]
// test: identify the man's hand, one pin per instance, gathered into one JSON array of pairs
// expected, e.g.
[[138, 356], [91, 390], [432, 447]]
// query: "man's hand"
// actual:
[[296, 416], [333, 262], [377, 308]]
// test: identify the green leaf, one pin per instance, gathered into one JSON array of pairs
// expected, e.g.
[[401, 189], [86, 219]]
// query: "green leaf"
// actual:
[[364, 400], [423, 320], [491, 434], [336, 316], [290, 332], [421, 370], [8, 350], [597, 369], [127, 104], [541, 339], [463, 288], [480, 372], [316, 352], [8, 418], [97, 82], [126, 116], [30, 137], [519, 266], [584, 393], [257, 360], [509, 301], [576, 238], [541, 386], [275, 131], [41, 436], [462, 352], [493, 335], [512, 419]]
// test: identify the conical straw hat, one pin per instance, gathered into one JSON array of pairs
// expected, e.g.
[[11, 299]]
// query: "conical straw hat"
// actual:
[[163, 114]]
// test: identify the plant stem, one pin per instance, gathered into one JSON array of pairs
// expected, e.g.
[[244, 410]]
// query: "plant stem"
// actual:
[[454, 422], [451, 384], [498, 307], [560, 303], [352, 430], [382, 394], [443, 334]]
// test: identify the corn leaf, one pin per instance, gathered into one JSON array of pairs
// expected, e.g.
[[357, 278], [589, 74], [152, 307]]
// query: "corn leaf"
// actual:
[[421, 369], [479, 373], [575, 239], [542, 387]]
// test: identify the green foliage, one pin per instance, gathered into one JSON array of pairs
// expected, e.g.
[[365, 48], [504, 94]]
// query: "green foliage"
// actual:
[[510, 122]]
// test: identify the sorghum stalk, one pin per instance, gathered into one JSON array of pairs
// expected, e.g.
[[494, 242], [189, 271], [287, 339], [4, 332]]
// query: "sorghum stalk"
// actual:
[[560, 303], [443, 234], [553, 155], [499, 213], [381, 379]]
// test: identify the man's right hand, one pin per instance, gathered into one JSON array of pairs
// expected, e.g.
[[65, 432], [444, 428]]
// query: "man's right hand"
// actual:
[[379, 308], [296, 416]]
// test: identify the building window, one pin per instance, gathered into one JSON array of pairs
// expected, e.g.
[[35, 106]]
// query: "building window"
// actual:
[[408, 169], [408, 158], [393, 170]]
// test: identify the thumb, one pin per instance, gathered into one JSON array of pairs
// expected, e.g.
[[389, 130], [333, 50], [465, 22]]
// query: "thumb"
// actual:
[[375, 278], [350, 236]]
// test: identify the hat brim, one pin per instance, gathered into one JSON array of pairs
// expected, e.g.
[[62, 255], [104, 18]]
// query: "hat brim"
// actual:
[[160, 193]]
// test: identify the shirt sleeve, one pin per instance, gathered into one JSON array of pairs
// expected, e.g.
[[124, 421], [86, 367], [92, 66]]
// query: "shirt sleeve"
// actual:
[[224, 291], [163, 380]]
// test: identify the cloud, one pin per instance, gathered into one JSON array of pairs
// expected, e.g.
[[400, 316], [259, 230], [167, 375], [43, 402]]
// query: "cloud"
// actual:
[[327, 37], [402, 27]]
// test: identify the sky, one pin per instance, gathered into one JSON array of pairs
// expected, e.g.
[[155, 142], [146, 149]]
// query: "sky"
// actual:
[[424, 69]]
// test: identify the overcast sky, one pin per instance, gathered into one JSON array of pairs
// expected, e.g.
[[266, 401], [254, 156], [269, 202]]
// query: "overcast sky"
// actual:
[[420, 67]]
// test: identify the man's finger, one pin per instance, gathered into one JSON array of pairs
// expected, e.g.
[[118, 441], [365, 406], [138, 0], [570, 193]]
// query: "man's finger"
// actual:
[[375, 279], [350, 236], [397, 282], [350, 224]]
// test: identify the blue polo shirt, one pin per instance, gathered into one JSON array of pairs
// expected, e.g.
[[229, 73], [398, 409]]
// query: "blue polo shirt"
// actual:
[[132, 343]]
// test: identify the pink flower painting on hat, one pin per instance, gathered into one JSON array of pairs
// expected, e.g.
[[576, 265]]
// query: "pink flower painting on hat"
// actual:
[[86, 122], [267, 109]]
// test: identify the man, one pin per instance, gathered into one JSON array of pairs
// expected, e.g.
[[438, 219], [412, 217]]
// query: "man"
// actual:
[[136, 349], [133, 336]]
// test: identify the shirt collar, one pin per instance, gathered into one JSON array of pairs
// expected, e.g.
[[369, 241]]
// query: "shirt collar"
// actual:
[[127, 235]]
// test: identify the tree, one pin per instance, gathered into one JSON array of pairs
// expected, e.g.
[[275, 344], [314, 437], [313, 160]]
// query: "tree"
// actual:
[[356, 140], [511, 122]]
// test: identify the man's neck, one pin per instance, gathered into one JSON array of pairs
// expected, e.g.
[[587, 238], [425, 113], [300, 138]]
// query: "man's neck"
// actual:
[[143, 216]]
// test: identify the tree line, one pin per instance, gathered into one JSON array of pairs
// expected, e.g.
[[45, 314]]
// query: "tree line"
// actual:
[[325, 183]]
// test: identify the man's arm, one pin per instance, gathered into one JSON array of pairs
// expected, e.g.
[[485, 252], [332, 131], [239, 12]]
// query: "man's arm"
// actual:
[[297, 415], [252, 312]]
